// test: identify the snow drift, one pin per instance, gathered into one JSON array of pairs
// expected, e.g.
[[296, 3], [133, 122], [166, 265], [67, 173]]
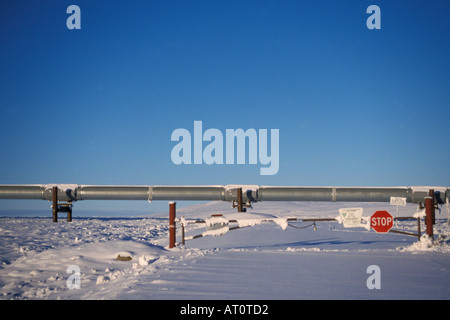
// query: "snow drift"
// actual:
[[264, 259]]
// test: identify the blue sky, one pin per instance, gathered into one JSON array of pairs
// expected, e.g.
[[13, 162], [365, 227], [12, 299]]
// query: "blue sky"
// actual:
[[354, 107]]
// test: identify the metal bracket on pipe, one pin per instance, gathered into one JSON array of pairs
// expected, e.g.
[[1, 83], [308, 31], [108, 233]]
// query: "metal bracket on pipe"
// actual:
[[150, 194], [239, 203], [67, 192], [333, 194]]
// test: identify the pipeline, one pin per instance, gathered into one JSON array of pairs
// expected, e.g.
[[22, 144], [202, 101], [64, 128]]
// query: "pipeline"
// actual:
[[74, 192]]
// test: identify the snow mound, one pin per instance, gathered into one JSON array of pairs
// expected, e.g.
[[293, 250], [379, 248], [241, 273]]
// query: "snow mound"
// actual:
[[439, 243], [44, 273], [427, 244]]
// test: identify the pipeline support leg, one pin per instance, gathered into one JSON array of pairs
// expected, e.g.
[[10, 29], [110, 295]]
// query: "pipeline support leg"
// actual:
[[69, 213]]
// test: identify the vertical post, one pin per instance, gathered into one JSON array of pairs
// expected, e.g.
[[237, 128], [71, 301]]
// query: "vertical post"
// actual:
[[448, 212], [182, 234], [69, 212], [418, 227], [433, 211], [429, 204], [239, 199], [172, 214], [55, 203], [396, 215]]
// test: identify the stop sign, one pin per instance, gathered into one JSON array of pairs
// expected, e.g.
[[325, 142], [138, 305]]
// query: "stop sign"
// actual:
[[381, 221]]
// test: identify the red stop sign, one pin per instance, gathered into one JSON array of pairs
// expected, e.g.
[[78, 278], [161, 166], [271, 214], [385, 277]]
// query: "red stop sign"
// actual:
[[381, 221]]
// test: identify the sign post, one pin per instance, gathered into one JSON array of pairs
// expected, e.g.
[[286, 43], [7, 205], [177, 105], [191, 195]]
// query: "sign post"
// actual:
[[351, 217], [381, 221], [398, 201]]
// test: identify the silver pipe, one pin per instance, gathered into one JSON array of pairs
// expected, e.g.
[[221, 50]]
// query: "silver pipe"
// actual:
[[333, 194], [111, 193], [73, 192], [22, 192], [199, 193]]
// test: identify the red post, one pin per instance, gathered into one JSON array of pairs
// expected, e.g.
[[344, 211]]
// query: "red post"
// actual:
[[172, 215], [433, 211], [429, 205]]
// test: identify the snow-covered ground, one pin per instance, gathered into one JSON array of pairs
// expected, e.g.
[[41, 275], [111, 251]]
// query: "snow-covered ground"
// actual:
[[265, 260]]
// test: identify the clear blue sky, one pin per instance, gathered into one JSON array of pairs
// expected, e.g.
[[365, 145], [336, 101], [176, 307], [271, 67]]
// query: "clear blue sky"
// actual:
[[354, 107]]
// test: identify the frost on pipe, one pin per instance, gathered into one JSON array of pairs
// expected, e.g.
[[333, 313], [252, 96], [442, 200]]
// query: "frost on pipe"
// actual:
[[420, 192]]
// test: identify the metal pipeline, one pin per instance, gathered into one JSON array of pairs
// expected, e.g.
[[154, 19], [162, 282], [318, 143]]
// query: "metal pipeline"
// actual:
[[22, 192], [333, 194], [356, 194], [73, 192]]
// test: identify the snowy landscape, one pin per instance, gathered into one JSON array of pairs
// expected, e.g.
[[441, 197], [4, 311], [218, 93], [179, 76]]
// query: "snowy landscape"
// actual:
[[117, 107], [268, 258]]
